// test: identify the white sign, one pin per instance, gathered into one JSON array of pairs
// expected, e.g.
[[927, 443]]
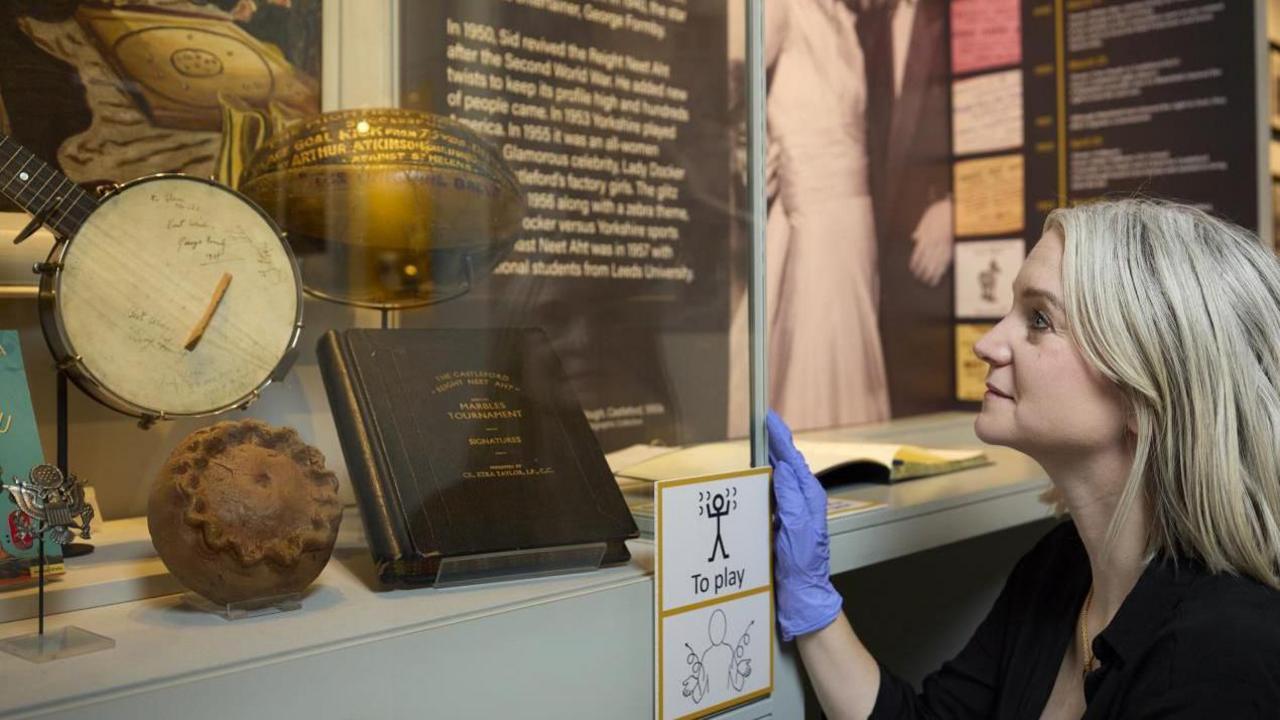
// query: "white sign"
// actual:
[[713, 593]]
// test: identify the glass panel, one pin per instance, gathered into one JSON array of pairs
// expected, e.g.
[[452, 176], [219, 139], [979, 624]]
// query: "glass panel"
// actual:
[[627, 132], [565, 182]]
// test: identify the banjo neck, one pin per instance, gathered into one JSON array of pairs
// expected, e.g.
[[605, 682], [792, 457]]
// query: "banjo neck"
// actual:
[[42, 191]]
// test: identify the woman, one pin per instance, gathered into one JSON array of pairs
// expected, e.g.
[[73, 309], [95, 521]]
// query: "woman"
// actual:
[[1140, 366], [823, 283]]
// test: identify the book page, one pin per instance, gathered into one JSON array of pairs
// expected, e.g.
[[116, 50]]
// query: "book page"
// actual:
[[824, 455], [706, 459], [635, 454]]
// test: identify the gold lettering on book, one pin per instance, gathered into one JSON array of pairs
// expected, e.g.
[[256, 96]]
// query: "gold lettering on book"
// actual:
[[507, 471], [485, 410], [504, 440], [473, 378]]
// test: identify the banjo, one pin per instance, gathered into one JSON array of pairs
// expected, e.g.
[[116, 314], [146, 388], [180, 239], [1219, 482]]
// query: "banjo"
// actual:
[[171, 296]]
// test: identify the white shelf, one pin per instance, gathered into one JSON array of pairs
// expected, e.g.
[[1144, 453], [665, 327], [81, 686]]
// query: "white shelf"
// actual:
[[567, 646], [122, 567]]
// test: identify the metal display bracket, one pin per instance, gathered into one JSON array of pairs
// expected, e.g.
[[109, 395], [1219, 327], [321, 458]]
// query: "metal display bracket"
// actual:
[[68, 641]]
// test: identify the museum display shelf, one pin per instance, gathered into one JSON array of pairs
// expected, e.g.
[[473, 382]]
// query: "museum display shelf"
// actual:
[[568, 646], [122, 567]]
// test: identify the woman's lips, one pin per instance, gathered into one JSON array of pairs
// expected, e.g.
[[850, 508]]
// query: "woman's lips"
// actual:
[[992, 390]]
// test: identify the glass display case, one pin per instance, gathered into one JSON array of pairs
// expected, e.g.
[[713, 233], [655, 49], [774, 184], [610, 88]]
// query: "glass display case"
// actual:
[[371, 324], [338, 304], [601, 197]]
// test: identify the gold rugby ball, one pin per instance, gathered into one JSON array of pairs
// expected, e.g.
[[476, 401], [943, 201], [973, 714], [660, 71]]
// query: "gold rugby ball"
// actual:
[[387, 179]]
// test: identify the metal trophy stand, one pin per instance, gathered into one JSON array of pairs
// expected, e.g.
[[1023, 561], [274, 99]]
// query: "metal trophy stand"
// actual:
[[55, 500], [390, 318]]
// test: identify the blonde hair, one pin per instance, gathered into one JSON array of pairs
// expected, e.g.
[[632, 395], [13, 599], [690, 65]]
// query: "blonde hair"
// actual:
[[1182, 311]]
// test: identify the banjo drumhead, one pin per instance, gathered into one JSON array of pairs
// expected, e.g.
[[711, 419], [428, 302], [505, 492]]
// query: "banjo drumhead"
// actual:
[[138, 277]]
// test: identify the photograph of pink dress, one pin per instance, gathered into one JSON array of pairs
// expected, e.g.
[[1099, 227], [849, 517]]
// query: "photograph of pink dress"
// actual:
[[826, 365]]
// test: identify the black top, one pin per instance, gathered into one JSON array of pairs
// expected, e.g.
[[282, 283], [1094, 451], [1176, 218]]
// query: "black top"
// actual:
[[1185, 644]]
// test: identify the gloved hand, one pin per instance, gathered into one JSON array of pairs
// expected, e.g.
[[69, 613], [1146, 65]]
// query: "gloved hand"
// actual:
[[806, 600]]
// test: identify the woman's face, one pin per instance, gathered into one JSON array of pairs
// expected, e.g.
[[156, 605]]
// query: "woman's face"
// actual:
[[1042, 397]]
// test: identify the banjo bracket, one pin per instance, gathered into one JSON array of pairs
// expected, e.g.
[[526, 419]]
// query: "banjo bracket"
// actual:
[[46, 268], [252, 397], [286, 364]]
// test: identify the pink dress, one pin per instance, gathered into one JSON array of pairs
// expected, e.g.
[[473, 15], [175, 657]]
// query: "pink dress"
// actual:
[[826, 366]]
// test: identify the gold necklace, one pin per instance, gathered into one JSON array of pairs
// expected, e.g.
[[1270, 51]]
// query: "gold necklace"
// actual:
[[1085, 647]]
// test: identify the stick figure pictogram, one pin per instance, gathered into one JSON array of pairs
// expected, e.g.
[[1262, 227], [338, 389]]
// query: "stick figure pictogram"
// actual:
[[717, 505]]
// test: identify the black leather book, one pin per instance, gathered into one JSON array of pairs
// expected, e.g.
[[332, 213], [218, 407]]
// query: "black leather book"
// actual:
[[468, 444]]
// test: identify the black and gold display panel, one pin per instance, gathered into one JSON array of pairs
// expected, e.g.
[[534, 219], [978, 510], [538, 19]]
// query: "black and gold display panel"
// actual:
[[617, 125]]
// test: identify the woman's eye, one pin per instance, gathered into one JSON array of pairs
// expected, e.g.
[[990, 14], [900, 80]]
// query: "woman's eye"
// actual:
[[1039, 321]]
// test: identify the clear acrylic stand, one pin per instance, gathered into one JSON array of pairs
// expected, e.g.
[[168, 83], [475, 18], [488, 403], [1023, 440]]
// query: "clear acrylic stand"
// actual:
[[246, 608], [519, 564], [64, 642]]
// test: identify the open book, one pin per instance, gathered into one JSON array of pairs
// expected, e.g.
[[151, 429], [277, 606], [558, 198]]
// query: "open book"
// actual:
[[833, 463]]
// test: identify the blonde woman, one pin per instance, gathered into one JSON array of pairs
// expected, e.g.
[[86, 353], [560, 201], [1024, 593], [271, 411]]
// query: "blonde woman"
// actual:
[[1140, 366]]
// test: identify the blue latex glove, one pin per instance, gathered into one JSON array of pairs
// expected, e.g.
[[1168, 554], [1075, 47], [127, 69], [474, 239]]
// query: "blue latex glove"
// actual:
[[807, 601]]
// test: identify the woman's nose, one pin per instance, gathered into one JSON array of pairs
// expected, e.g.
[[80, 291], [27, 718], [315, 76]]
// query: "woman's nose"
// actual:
[[992, 347]]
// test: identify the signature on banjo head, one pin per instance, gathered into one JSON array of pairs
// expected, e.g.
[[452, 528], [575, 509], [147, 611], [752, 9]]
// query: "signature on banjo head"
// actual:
[[173, 296], [176, 201]]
